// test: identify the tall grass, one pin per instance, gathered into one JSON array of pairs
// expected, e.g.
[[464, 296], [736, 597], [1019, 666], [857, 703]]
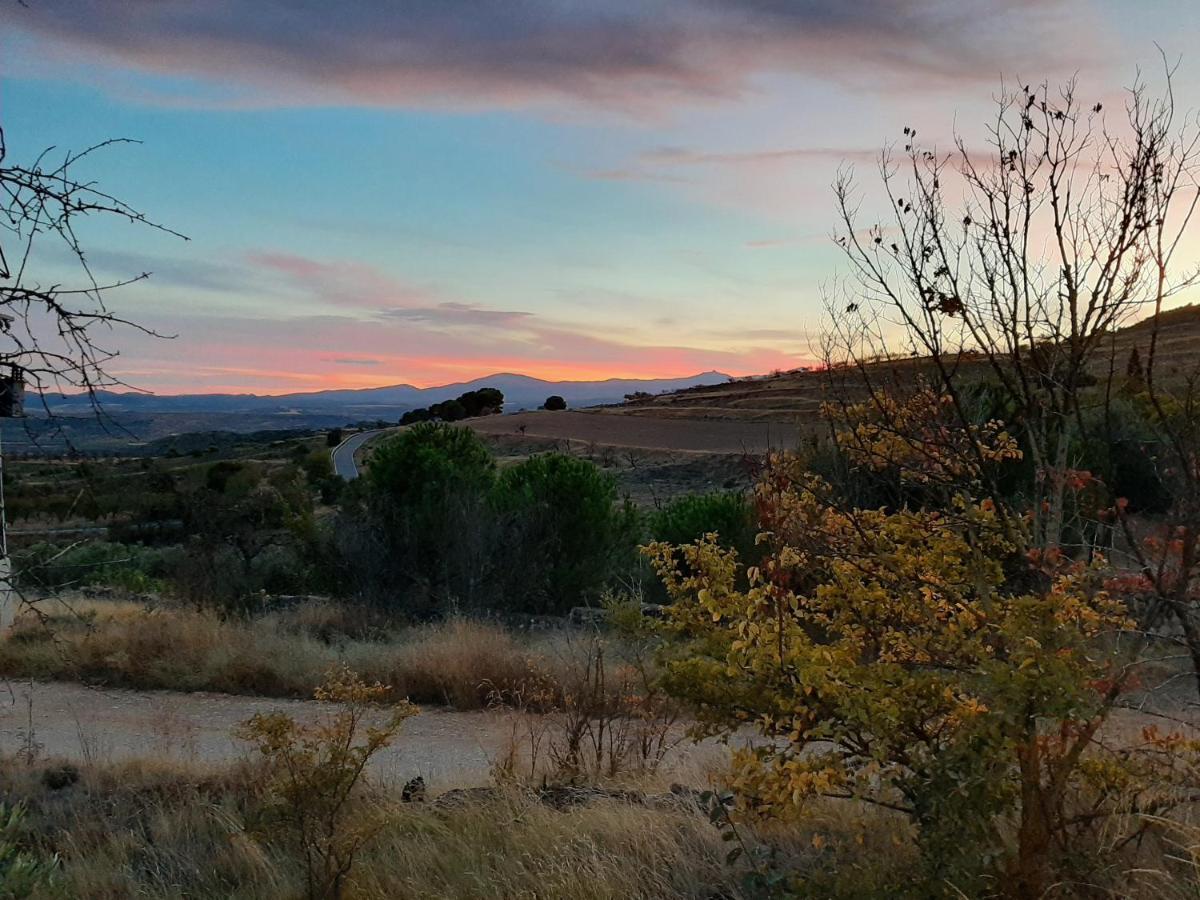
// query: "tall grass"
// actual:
[[285, 654], [147, 830], [154, 830]]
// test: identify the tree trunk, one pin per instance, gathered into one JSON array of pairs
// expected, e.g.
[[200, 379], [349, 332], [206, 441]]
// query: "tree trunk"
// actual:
[[1030, 870]]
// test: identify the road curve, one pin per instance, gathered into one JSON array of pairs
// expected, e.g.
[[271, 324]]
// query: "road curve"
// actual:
[[342, 455]]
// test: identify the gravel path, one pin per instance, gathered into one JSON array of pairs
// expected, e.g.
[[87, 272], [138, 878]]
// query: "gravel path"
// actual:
[[76, 722]]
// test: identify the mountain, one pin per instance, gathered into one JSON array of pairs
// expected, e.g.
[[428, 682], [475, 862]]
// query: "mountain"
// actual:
[[520, 392]]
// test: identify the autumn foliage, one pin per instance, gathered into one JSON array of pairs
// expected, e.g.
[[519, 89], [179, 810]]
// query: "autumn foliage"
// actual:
[[930, 659], [315, 773]]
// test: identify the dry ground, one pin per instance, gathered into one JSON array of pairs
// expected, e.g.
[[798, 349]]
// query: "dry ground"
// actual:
[[59, 720], [644, 432]]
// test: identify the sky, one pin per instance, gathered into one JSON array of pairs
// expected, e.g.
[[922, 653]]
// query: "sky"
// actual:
[[431, 191]]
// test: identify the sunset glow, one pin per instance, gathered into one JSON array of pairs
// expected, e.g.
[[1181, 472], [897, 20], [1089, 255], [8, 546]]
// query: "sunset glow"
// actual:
[[634, 190]]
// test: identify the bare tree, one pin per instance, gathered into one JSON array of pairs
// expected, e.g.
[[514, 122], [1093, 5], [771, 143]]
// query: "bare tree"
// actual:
[[57, 336], [1015, 266], [52, 336]]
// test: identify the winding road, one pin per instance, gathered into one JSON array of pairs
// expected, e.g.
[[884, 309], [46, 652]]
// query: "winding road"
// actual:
[[343, 454]]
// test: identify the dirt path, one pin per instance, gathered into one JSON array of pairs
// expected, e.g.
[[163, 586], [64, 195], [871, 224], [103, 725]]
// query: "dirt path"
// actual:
[[75, 722], [88, 724]]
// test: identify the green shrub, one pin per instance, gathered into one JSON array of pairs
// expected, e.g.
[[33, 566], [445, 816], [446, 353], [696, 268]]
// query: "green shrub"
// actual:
[[421, 538], [23, 871], [687, 519], [50, 566], [567, 534]]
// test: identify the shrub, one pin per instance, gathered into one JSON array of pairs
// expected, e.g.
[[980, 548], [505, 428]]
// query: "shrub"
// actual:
[[567, 535], [689, 518], [424, 532], [49, 566], [600, 714], [554, 401], [314, 771], [925, 661]]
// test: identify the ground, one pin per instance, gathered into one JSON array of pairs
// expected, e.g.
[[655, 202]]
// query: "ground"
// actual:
[[94, 725]]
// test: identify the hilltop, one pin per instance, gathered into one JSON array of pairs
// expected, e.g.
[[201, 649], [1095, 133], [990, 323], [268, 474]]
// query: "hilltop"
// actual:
[[797, 394]]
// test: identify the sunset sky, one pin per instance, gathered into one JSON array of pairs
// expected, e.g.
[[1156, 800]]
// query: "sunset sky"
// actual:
[[425, 192]]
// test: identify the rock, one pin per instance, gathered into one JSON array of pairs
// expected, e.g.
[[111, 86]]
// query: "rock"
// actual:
[[566, 796], [461, 798], [413, 791], [58, 777]]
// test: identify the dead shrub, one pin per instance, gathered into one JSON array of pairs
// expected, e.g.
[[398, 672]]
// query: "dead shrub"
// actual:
[[595, 716]]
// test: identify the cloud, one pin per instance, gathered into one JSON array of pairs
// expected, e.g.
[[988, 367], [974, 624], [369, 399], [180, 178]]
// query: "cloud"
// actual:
[[681, 156], [768, 243], [350, 324], [454, 313], [343, 285], [361, 291], [624, 54]]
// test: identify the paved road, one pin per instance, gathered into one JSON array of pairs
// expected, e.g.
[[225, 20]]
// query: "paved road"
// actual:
[[343, 454]]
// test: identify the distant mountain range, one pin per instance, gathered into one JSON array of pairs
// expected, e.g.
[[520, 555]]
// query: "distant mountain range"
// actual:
[[159, 421], [520, 392]]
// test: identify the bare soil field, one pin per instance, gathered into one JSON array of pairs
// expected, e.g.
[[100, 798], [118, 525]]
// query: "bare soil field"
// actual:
[[602, 428]]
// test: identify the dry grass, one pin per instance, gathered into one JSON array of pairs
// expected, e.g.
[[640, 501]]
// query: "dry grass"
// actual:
[[287, 654], [151, 831]]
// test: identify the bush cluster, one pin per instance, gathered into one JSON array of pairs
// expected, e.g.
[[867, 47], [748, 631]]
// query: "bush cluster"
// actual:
[[435, 527], [468, 405]]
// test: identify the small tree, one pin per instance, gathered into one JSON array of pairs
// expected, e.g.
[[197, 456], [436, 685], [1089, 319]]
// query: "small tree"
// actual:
[[54, 328], [334, 437], [920, 661], [422, 523], [315, 773], [1017, 263], [554, 402], [244, 527], [568, 534]]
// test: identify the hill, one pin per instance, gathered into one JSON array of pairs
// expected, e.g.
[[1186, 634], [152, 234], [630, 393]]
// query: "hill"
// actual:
[[797, 395]]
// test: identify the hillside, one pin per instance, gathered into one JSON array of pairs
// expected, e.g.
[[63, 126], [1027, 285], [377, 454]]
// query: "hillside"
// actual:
[[796, 396]]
